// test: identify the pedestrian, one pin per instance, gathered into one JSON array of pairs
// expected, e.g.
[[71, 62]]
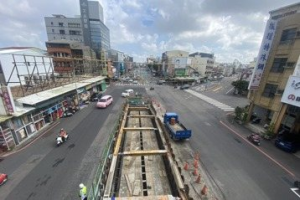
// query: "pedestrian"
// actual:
[[82, 191]]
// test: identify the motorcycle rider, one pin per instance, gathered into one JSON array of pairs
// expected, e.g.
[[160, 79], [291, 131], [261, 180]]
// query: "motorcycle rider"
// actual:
[[63, 134]]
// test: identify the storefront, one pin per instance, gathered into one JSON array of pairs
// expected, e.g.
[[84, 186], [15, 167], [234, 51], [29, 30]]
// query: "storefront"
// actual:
[[6, 136]]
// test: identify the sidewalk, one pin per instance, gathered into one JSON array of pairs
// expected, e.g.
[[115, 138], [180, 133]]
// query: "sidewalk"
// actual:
[[267, 147], [30, 139]]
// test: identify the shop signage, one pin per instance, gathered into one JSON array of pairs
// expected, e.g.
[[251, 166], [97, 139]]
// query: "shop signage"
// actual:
[[7, 99], [263, 54], [80, 90], [179, 62], [291, 93]]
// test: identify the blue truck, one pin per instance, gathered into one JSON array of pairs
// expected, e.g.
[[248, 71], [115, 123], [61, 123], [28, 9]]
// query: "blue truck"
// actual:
[[176, 130]]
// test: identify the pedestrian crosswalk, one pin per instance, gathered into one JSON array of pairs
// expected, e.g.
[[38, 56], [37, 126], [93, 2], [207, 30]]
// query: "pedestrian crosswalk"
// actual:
[[138, 84], [209, 100]]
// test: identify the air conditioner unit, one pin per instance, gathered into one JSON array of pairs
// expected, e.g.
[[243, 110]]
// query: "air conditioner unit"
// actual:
[[35, 79], [28, 82]]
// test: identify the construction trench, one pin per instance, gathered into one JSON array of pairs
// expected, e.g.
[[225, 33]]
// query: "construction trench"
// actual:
[[141, 163]]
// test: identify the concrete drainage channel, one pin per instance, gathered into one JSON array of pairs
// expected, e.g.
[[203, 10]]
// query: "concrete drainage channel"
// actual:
[[142, 164]]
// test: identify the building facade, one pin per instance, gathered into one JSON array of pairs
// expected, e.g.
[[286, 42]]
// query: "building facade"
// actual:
[[70, 57], [88, 28], [276, 62], [174, 63], [60, 27], [95, 33], [204, 62]]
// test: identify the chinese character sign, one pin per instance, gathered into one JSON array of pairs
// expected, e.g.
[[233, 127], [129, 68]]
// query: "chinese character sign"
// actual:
[[263, 54], [7, 100]]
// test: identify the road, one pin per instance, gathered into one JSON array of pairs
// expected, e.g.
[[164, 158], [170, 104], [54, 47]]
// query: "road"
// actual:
[[239, 169], [43, 171]]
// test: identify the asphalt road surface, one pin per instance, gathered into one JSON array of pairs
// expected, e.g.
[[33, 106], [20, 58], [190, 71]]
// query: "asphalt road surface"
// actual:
[[238, 169], [43, 171]]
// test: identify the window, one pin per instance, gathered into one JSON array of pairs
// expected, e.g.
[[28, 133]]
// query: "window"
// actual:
[[61, 24], [74, 32], [278, 65], [62, 32], [269, 90], [288, 35], [51, 23], [52, 30]]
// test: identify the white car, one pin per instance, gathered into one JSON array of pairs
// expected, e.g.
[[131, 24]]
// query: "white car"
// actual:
[[127, 93]]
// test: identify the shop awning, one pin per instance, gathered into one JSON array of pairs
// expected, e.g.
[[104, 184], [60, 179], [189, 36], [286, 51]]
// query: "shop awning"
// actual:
[[21, 110], [39, 97], [3, 118]]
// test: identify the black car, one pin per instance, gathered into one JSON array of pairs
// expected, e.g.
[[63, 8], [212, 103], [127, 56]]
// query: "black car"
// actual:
[[95, 96], [183, 87], [288, 142]]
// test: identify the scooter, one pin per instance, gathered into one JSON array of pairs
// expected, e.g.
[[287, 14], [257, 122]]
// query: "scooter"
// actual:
[[60, 140], [254, 138]]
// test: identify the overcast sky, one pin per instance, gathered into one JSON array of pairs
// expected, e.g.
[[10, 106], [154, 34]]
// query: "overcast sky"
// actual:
[[231, 29]]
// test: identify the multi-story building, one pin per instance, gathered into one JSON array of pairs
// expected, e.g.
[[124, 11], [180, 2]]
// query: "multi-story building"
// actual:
[[95, 33], [174, 63], [70, 57], [274, 94], [88, 28], [60, 27], [203, 63]]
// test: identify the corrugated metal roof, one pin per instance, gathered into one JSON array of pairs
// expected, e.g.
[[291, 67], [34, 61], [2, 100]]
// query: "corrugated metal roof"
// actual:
[[48, 94]]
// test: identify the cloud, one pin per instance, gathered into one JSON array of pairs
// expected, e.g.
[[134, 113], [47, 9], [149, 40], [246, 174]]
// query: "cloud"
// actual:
[[231, 29]]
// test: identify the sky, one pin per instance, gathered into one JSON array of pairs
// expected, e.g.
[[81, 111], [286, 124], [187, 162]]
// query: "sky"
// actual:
[[230, 29]]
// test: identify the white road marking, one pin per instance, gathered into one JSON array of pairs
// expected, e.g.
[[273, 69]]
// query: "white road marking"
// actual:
[[211, 101], [294, 190], [188, 97], [229, 90], [208, 124]]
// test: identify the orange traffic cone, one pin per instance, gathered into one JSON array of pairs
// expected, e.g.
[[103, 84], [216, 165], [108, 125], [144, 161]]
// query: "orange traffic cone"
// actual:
[[198, 180], [204, 190], [186, 166], [195, 163], [195, 172]]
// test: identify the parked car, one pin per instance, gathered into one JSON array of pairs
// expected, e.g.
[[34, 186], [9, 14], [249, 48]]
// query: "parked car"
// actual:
[[104, 101], [135, 82], [288, 142], [151, 88], [127, 93], [95, 97], [183, 87], [3, 178]]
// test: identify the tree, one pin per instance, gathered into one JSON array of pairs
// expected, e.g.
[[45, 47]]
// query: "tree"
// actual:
[[241, 86]]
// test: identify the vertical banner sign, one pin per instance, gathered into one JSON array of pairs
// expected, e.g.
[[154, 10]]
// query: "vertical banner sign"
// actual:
[[263, 54], [7, 100]]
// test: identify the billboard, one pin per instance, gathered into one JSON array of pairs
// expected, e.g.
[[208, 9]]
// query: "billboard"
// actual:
[[179, 62], [291, 93], [263, 54], [179, 72]]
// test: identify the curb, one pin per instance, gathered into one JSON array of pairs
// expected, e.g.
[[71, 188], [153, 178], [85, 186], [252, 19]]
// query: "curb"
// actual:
[[31, 140]]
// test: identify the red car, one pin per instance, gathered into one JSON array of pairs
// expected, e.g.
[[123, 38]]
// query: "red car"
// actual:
[[3, 178]]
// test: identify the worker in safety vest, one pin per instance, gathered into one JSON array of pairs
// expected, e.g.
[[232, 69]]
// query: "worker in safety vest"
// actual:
[[82, 191]]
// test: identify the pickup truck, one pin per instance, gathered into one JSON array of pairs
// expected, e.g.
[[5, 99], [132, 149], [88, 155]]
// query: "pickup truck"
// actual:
[[176, 130]]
